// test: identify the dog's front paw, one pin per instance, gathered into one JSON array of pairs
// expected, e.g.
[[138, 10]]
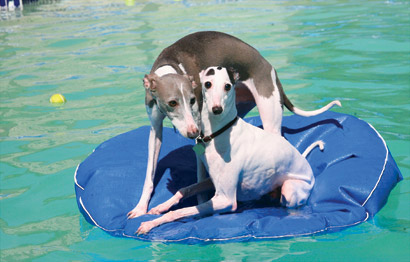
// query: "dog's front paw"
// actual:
[[164, 207], [145, 227], [136, 212]]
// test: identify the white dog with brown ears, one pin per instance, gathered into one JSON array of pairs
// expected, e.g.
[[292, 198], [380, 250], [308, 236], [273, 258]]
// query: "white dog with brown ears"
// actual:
[[244, 162]]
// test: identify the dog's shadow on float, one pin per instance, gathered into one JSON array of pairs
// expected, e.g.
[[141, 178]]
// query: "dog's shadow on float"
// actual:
[[291, 131], [181, 164]]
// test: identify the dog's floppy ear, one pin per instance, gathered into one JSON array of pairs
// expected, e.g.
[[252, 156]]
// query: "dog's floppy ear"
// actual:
[[233, 75], [151, 82], [202, 74]]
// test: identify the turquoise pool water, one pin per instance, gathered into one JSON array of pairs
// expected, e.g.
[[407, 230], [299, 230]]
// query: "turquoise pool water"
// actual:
[[96, 53]]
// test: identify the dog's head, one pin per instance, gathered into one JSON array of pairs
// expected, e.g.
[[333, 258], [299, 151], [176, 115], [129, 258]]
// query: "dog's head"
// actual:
[[175, 97], [218, 88]]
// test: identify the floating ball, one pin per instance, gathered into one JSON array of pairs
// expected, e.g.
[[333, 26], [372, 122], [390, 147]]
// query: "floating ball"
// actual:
[[57, 99], [129, 2]]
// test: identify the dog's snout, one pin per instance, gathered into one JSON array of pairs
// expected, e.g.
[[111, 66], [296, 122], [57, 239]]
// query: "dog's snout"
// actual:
[[193, 132], [217, 110]]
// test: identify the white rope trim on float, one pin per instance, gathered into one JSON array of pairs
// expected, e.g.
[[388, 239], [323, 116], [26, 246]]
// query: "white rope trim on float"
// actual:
[[384, 166], [89, 215], [75, 178], [251, 236], [318, 231], [75, 175], [187, 238]]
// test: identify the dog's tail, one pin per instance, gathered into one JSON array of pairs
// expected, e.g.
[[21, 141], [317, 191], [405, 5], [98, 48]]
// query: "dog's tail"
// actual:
[[295, 110], [301, 112], [319, 143]]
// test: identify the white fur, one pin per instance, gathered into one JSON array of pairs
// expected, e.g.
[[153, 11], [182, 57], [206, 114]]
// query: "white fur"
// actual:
[[164, 70], [187, 120], [181, 66], [318, 111]]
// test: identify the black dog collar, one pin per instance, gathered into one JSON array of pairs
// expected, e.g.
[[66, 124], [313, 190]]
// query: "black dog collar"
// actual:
[[205, 139]]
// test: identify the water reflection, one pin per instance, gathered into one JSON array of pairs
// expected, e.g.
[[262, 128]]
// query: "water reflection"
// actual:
[[96, 53]]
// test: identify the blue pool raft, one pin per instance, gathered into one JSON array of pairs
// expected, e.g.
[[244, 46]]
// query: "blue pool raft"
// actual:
[[354, 176]]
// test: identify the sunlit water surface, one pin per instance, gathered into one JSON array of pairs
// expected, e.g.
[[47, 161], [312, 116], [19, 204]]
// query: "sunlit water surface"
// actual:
[[96, 53]]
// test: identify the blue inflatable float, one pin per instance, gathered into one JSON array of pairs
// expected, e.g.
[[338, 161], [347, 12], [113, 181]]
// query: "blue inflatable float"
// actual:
[[354, 176]]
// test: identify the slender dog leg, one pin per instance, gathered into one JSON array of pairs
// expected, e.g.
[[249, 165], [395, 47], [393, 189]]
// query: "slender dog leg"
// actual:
[[154, 146], [181, 194], [217, 204], [201, 176]]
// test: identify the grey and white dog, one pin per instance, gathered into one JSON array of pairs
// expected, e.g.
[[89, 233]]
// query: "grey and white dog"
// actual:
[[171, 91]]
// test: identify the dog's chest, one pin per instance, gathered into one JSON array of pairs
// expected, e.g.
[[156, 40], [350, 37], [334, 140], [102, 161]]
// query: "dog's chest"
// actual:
[[216, 159], [250, 156]]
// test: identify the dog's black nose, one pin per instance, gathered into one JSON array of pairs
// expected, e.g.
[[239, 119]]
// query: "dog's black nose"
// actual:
[[217, 110]]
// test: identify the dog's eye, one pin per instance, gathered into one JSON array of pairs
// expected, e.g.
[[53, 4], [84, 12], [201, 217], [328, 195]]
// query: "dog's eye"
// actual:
[[172, 103], [228, 87], [208, 85], [192, 101]]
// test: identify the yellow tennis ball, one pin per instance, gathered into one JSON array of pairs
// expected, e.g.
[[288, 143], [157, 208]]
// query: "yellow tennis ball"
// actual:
[[57, 99], [129, 2]]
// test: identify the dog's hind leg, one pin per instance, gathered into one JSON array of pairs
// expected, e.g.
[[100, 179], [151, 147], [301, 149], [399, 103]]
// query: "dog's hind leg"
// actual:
[[201, 177], [267, 97], [295, 192]]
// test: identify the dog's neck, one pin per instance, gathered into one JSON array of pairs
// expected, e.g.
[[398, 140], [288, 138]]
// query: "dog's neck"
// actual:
[[211, 123]]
